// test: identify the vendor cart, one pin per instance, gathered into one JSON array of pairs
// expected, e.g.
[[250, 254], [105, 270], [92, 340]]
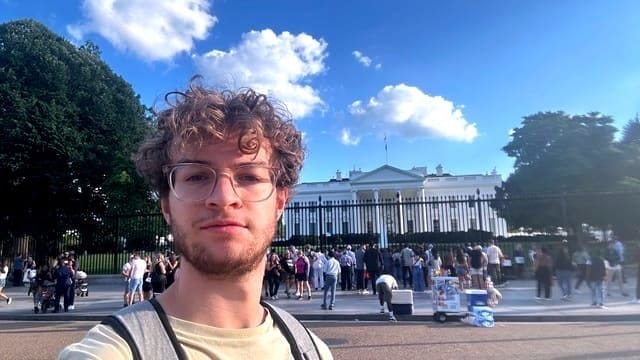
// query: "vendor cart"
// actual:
[[446, 298]]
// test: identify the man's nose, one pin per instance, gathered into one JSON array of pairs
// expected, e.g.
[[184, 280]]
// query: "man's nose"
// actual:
[[223, 193]]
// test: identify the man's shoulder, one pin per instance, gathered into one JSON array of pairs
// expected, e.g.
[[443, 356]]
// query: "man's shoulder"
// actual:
[[101, 342]]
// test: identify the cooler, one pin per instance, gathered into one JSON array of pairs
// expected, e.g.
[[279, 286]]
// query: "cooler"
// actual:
[[476, 297], [481, 316], [402, 302]]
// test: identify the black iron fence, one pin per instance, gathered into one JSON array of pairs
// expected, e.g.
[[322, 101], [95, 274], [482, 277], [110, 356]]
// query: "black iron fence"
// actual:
[[103, 244]]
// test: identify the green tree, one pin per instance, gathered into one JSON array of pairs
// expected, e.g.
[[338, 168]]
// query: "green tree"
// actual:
[[557, 153], [625, 222], [68, 126]]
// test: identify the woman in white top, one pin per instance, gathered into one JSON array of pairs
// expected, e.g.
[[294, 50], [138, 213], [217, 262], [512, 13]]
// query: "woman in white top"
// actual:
[[4, 270]]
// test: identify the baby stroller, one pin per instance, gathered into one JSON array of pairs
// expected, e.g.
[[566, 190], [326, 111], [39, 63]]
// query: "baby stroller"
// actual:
[[46, 299], [81, 285]]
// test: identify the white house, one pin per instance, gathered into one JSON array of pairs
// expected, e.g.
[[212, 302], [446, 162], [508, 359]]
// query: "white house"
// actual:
[[388, 199]]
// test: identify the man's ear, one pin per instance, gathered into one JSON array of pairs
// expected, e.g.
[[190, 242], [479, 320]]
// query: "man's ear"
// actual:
[[282, 196], [164, 205]]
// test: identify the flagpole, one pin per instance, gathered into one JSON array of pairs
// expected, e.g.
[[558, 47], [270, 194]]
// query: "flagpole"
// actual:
[[386, 152]]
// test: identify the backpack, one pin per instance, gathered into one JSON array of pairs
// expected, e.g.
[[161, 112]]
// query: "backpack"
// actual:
[[145, 328]]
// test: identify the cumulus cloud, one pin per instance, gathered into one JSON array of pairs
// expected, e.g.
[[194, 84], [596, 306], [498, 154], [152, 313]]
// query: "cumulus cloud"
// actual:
[[151, 29], [365, 60], [347, 139], [408, 111], [279, 65]]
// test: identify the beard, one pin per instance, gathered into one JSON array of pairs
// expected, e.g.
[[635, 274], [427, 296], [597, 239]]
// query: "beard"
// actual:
[[223, 267]]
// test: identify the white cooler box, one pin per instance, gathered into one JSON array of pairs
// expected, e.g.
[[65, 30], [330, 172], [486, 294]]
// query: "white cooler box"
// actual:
[[402, 302]]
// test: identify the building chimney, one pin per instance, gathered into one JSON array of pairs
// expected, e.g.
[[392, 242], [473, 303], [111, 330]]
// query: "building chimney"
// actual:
[[439, 170]]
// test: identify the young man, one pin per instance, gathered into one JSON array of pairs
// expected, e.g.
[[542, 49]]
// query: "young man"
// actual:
[[331, 270], [223, 164]]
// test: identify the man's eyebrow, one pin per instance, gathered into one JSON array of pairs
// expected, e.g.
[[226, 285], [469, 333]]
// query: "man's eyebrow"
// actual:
[[204, 162]]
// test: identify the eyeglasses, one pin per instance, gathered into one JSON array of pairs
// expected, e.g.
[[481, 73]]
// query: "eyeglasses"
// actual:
[[194, 182]]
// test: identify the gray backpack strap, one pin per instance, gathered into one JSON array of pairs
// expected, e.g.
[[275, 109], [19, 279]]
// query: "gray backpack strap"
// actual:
[[146, 329], [302, 345]]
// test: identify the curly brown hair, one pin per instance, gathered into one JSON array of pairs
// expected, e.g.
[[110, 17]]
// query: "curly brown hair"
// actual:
[[199, 116]]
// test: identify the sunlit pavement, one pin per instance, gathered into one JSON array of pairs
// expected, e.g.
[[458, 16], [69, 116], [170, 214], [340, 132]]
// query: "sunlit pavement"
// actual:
[[518, 304]]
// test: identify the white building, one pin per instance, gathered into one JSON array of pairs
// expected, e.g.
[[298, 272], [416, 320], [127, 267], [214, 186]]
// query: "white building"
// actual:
[[388, 199]]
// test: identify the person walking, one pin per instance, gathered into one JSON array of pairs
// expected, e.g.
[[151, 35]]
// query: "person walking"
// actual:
[[224, 164], [581, 261], [596, 277], [543, 266], [331, 271], [63, 276], [360, 267], [4, 271], [563, 266]]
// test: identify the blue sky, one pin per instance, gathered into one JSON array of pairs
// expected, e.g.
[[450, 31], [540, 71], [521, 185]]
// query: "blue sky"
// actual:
[[444, 80]]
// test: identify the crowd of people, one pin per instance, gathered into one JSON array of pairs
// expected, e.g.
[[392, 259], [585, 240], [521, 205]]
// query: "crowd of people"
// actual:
[[598, 267], [148, 276], [60, 274], [302, 271]]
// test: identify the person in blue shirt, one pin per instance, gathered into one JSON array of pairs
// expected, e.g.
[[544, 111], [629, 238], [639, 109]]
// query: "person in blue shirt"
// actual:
[[63, 276]]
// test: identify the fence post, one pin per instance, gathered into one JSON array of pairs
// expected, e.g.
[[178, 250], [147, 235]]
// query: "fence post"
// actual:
[[321, 236], [479, 205], [115, 253], [563, 201]]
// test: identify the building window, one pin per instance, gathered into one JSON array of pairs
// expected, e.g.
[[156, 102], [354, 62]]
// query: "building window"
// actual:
[[345, 227], [410, 228], [312, 229], [472, 224], [436, 225], [454, 224]]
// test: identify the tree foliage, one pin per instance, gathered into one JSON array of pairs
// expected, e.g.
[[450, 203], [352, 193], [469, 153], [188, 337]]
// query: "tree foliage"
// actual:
[[68, 126], [557, 153]]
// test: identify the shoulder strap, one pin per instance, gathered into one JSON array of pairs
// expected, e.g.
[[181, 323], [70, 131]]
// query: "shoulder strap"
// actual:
[[146, 329], [302, 345]]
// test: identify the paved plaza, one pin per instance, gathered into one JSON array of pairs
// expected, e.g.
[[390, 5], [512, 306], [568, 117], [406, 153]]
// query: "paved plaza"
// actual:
[[518, 304]]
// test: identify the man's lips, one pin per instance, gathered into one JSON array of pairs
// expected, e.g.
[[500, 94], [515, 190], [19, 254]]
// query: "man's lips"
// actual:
[[221, 224]]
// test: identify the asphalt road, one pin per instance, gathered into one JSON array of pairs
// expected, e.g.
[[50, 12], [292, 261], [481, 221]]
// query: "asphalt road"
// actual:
[[378, 340]]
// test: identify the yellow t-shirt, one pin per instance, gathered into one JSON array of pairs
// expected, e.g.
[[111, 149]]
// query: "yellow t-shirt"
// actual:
[[199, 342]]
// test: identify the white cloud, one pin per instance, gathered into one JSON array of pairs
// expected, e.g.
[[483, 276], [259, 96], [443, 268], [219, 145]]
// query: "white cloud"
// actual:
[[278, 65], [365, 60], [347, 139], [151, 29], [408, 111]]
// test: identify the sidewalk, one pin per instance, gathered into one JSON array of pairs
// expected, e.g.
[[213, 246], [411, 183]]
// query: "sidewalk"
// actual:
[[518, 305]]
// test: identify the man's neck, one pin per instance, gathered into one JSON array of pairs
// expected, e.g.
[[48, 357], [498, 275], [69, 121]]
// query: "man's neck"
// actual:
[[223, 303]]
